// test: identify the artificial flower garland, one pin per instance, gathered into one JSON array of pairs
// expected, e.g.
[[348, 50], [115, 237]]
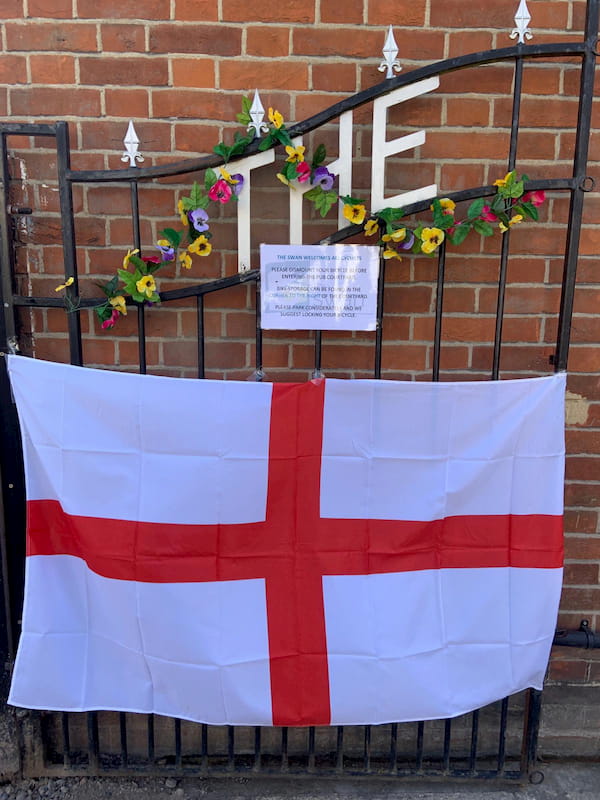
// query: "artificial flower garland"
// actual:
[[510, 206]]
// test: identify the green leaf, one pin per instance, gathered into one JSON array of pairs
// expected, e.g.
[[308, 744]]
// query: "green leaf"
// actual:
[[516, 189], [268, 141], [223, 151], [460, 233], [325, 201], [483, 228], [475, 208], [312, 194], [319, 156], [210, 178], [244, 117], [446, 221], [529, 210], [281, 135], [351, 201], [186, 203], [172, 236], [197, 195], [124, 275]]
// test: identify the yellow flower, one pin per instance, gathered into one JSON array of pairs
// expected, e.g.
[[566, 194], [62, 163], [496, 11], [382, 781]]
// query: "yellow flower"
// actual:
[[395, 236], [182, 213], [185, 260], [447, 204], [283, 179], [146, 285], [201, 246], [276, 118], [371, 227], [227, 177], [118, 302], [431, 239], [503, 181], [355, 213], [390, 253], [512, 221], [68, 282], [128, 256], [295, 154]]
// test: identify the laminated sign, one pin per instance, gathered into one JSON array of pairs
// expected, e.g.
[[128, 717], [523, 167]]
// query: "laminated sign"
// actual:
[[333, 552]]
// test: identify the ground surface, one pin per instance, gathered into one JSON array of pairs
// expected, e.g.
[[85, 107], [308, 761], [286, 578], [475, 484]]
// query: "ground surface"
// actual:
[[562, 781]]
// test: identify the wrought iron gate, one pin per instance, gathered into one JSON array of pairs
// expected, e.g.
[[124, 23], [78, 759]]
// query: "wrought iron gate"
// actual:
[[499, 741]]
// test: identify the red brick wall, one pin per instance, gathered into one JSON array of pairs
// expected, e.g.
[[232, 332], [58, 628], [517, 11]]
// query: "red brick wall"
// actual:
[[180, 73]]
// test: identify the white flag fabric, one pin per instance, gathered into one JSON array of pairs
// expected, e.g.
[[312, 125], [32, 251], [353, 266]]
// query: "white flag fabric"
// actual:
[[335, 552]]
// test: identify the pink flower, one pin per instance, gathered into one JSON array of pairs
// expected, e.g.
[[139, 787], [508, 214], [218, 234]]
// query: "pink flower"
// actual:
[[487, 215], [302, 171], [108, 323], [220, 192], [535, 198]]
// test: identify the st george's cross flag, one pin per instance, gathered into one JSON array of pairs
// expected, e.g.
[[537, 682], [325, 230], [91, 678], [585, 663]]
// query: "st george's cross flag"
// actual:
[[334, 552]]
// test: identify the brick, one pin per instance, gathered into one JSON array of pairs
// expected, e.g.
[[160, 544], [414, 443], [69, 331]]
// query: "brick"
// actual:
[[334, 77], [582, 494], [63, 36], [11, 9], [243, 74], [55, 102], [56, 10], [404, 357], [193, 72], [584, 599], [296, 11], [480, 145], [52, 69], [584, 359], [539, 113], [347, 42], [581, 521], [345, 13], [580, 574], [269, 41], [122, 71], [13, 69], [126, 103], [220, 40], [196, 10], [459, 44], [425, 111], [402, 12], [124, 9], [103, 134], [466, 15], [469, 112], [123, 38], [490, 79], [571, 670], [196, 138]]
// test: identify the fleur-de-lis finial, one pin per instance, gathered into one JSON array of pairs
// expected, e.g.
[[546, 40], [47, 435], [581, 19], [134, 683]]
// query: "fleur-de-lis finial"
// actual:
[[390, 51], [522, 20], [257, 114], [131, 142]]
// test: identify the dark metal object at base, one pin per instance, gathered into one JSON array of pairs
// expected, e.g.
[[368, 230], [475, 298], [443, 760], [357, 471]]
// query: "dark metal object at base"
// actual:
[[583, 637]]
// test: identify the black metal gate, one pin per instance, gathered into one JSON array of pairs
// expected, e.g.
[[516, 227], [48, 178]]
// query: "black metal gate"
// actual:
[[498, 741]]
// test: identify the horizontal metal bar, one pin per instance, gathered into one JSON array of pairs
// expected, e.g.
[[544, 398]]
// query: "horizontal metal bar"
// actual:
[[349, 103], [27, 129]]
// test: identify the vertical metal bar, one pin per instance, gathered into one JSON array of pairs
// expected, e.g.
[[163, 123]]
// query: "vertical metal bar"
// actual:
[[447, 741], [339, 751], [531, 729], [367, 758], [259, 338], [380, 291], [142, 337], [230, 748], [93, 745], [200, 314], [420, 732], [439, 303], [502, 736], [586, 96], [500, 305], [474, 736], [150, 738], [516, 113], [178, 743], [257, 749], [7, 317], [123, 737], [394, 748], [66, 737], [311, 748], [65, 194], [317, 372], [284, 750], [204, 747]]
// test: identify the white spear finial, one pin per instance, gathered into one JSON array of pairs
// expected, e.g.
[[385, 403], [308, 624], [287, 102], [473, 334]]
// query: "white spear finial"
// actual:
[[522, 20], [131, 142], [390, 51], [257, 114]]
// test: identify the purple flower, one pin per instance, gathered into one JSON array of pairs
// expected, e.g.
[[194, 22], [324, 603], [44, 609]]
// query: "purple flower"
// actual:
[[166, 249], [408, 242], [239, 182], [323, 178], [199, 218]]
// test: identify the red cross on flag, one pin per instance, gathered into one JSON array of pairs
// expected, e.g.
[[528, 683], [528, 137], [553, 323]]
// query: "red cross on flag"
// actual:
[[344, 552]]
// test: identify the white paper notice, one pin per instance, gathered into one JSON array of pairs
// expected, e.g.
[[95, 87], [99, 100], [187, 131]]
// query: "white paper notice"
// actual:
[[319, 287]]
